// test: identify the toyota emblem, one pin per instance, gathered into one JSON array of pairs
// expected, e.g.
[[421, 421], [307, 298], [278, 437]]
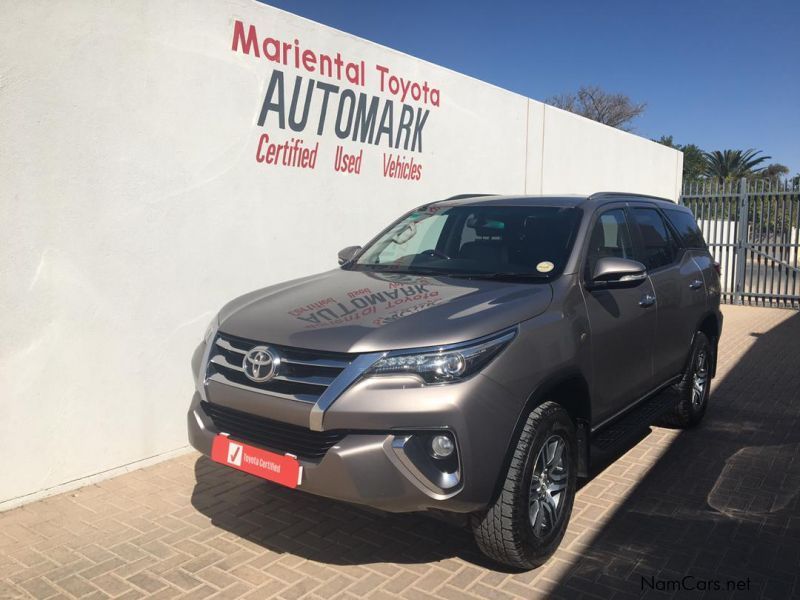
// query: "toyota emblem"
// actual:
[[260, 364]]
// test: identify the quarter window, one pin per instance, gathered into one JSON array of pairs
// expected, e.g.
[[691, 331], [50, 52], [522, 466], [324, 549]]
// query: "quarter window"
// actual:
[[658, 246], [687, 228]]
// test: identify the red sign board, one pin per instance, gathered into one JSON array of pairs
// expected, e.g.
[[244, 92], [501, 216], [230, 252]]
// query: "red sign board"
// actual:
[[279, 468]]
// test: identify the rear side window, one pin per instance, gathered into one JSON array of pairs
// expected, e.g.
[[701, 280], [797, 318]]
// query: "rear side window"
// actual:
[[658, 246], [687, 228]]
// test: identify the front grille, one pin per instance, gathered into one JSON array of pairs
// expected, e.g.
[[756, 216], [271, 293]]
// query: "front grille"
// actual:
[[274, 435], [302, 375]]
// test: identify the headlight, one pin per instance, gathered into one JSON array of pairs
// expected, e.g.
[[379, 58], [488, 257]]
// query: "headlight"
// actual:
[[443, 365]]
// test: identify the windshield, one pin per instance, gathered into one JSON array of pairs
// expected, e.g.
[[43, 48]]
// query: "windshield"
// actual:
[[525, 242]]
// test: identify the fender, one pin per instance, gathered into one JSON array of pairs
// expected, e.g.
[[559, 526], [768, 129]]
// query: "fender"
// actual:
[[582, 417]]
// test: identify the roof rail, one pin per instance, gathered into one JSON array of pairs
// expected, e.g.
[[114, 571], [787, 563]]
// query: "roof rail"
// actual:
[[630, 194], [462, 196]]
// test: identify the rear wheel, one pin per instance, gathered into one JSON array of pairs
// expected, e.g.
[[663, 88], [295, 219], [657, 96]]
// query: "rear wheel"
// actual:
[[693, 390], [527, 521]]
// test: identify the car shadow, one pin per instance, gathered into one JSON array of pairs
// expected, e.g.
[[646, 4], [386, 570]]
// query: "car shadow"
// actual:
[[281, 520], [719, 513]]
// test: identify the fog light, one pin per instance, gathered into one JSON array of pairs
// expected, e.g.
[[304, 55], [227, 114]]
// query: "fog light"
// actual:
[[442, 446]]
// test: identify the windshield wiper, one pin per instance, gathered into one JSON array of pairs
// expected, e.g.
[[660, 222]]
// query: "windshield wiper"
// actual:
[[374, 268], [510, 276], [399, 271]]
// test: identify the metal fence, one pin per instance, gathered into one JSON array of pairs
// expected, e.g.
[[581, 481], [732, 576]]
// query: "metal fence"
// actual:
[[752, 230]]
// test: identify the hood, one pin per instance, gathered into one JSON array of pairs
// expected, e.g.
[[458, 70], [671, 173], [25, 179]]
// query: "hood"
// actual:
[[358, 311]]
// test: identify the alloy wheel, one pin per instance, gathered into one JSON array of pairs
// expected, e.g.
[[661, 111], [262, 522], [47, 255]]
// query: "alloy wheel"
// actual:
[[700, 380], [548, 486]]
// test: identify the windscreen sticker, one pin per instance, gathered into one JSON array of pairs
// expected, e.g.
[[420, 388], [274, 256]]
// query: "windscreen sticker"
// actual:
[[545, 266]]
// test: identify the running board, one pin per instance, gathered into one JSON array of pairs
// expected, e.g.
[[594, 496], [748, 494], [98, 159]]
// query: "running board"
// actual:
[[633, 423]]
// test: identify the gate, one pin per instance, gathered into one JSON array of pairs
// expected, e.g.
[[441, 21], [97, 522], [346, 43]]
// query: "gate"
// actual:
[[752, 230]]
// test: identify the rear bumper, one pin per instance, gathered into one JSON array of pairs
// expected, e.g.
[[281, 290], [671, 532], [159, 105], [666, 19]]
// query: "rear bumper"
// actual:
[[715, 343]]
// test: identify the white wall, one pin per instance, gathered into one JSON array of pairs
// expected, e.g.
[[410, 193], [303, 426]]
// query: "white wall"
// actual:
[[583, 157], [133, 206]]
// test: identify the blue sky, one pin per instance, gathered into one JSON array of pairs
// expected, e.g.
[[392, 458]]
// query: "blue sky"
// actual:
[[718, 73]]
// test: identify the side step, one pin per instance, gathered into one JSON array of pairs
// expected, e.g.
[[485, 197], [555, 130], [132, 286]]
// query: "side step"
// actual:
[[633, 423]]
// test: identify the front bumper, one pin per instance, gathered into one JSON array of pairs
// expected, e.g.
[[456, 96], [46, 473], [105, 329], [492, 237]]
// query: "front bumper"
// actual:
[[359, 469], [368, 465]]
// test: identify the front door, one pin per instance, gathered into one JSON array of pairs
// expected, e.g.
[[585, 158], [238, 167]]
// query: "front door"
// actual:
[[622, 322]]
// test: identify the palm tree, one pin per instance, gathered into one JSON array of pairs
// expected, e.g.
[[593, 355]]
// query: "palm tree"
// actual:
[[733, 164]]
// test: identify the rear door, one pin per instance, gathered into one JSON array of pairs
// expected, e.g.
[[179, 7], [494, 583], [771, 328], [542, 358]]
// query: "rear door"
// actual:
[[684, 224], [679, 289], [622, 325]]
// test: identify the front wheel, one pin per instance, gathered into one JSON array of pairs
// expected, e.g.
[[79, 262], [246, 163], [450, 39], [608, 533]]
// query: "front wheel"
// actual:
[[524, 526]]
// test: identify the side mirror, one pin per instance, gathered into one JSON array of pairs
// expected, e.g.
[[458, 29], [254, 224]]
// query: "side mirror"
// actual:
[[347, 254], [611, 272]]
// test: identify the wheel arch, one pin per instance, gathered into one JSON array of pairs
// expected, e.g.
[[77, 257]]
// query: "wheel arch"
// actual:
[[710, 325], [569, 389]]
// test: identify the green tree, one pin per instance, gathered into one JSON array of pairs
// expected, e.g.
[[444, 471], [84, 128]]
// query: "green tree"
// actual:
[[592, 102], [694, 163], [774, 171], [667, 140], [733, 164]]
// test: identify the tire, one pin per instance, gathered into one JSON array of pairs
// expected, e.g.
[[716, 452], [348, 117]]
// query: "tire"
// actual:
[[693, 390], [518, 529]]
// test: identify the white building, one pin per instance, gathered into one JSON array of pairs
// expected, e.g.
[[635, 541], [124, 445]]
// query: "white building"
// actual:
[[154, 166]]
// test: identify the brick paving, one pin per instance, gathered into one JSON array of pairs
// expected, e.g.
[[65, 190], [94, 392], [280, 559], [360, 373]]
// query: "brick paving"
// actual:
[[718, 503]]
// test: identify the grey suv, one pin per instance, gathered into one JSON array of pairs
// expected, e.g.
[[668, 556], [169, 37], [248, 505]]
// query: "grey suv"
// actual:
[[472, 358]]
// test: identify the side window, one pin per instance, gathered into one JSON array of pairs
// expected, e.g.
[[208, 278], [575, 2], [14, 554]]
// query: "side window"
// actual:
[[610, 237], [687, 228], [658, 246]]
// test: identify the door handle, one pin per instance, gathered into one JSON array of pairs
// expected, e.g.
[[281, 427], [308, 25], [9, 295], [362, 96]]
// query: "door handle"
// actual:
[[696, 284], [647, 300]]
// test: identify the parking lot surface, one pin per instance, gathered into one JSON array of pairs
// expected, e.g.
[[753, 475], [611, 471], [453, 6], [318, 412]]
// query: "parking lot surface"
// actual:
[[711, 511]]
